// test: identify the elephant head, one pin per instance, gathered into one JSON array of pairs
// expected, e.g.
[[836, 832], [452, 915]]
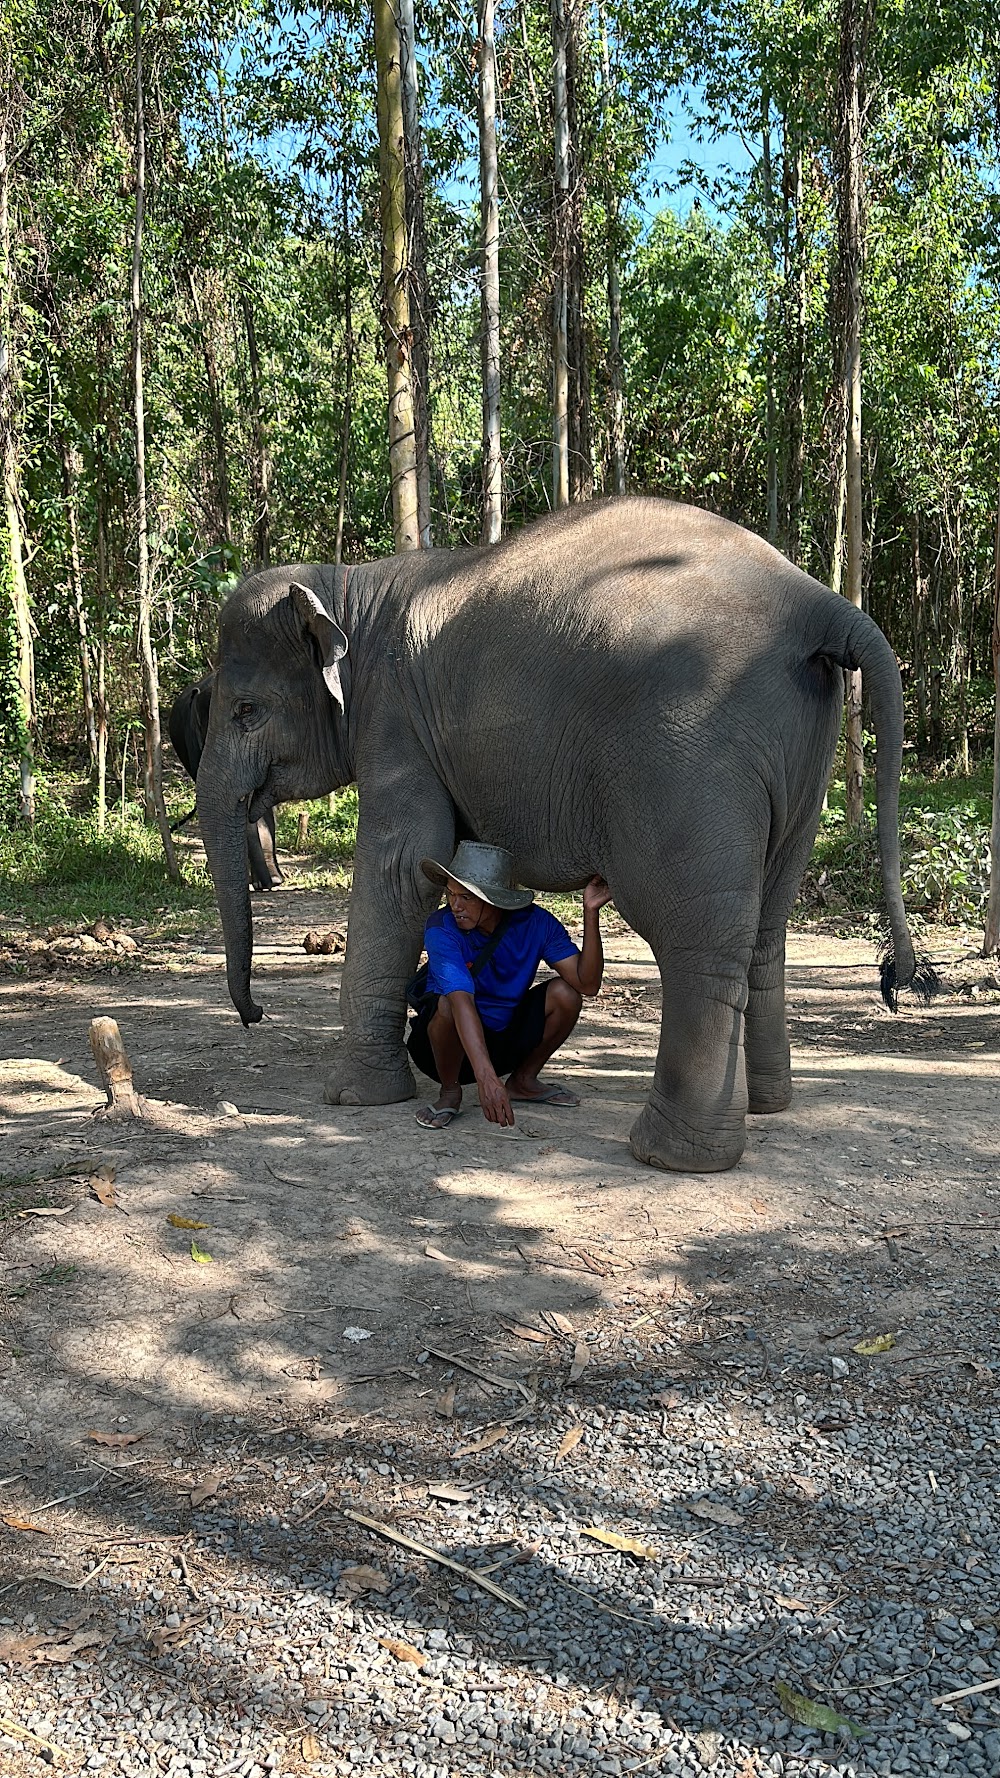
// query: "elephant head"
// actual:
[[278, 731]]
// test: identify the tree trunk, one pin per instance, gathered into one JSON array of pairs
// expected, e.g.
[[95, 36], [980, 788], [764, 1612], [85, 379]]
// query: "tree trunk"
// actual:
[[260, 468], [71, 480], [416, 264], [772, 416], [797, 390], [991, 937], [489, 237], [855, 27], [102, 628], [151, 691], [345, 432], [918, 671], [216, 421], [560, 256], [18, 622], [581, 465], [395, 283]]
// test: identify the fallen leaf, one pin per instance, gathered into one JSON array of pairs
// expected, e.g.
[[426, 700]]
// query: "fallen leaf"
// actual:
[[403, 1651], [807, 1486], [525, 1333], [788, 1604], [17, 1524], [669, 1399], [116, 1441], [43, 1210], [200, 1256], [361, 1579], [877, 1343], [615, 1541], [493, 1437], [449, 1491], [759, 1206], [102, 1184], [205, 1490], [310, 1748], [560, 1324], [228, 1109], [719, 1515], [355, 1334], [568, 1443], [815, 1716], [445, 1404], [581, 1359], [186, 1222], [435, 1253], [52, 1645]]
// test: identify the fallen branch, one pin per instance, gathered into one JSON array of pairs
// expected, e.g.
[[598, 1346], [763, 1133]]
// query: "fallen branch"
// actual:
[[47, 1749], [967, 1691], [463, 1364], [423, 1549], [71, 1586]]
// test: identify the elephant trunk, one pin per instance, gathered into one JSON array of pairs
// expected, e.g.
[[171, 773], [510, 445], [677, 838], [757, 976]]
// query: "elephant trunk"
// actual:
[[222, 815]]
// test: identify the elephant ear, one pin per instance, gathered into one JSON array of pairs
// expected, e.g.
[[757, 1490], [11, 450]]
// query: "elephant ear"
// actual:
[[316, 620]]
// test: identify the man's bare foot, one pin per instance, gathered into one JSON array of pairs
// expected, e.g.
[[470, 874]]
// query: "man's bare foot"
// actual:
[[536, 1092]]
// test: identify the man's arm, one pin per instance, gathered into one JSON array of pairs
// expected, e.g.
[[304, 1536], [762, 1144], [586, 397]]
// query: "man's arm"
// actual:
[[492, 1092], [585, 969]]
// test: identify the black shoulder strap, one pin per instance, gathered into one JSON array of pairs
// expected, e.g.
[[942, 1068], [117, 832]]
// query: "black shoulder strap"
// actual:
[[482, 957]]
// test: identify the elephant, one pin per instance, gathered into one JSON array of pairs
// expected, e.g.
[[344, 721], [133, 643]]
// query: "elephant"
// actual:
[[633, 688], [187, 725]]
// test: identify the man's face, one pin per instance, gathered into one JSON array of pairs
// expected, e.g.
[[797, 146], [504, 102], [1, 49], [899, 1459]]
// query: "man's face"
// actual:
[[466, 908]]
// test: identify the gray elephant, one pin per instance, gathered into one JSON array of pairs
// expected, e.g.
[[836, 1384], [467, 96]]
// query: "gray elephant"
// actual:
[[187, 726], [634, 688]]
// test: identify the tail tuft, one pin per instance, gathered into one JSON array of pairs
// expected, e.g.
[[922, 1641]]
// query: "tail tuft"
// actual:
[[924, 981], [887, 980]]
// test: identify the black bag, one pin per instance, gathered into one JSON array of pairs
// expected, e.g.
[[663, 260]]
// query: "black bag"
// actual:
[[416, 988]]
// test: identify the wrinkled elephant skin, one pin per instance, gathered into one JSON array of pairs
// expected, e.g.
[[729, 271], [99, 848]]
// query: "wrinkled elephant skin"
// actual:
[[634, 688]]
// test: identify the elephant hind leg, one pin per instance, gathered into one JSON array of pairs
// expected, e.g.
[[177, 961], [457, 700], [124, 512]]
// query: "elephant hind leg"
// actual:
[[695, 1118], [768, 1055]]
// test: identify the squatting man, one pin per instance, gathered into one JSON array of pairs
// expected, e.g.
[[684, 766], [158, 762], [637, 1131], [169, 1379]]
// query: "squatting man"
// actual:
[[480, 1017]]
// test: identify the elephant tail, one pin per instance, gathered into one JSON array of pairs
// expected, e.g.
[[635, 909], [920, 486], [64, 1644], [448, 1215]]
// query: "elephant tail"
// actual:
[[854, 641]]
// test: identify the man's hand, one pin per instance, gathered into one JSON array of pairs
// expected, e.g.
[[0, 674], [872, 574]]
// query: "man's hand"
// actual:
[[596, 895], [495, 1102]]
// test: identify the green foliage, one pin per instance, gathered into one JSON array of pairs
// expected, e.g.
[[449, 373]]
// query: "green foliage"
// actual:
[[944, 845], [332, 834]]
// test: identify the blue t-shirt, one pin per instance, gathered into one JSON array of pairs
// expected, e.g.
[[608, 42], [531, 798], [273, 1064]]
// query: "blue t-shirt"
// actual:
[[532, 934]]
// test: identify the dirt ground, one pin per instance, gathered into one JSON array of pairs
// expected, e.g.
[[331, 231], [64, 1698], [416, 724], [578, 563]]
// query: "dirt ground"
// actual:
[[323, 1219], [353, 1254]]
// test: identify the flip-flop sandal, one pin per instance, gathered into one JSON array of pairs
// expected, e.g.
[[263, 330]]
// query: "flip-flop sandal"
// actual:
[[439, 1119], [551, 1096]]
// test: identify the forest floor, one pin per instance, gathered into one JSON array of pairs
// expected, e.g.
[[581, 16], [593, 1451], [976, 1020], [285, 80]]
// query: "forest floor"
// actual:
[[489, 1342]]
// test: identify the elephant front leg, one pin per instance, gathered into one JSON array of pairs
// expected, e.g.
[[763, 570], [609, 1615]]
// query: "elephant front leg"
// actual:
[[265, 872], [390, 901], [768, 1056], [695, 1118]]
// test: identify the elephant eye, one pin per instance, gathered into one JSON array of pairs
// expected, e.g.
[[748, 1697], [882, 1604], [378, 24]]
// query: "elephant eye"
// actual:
[[242, 710]]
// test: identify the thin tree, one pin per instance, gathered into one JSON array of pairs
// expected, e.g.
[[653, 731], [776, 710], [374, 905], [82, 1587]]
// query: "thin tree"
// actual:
[[616, 367], [155, 806], [12, 571], [416, 263], [855, 30], [560, 287], [71, 495], [345, 430], [489, 238], [395, 283], [215, 409], [991, 937]]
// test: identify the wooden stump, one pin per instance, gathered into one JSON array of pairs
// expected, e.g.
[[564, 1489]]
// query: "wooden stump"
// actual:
[[115, 1071]]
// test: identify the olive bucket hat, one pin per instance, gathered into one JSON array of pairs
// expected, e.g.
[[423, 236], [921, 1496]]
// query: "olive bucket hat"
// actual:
[[486, 871]]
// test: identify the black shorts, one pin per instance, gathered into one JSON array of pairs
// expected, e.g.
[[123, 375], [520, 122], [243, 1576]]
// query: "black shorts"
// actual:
[[507, 1048]]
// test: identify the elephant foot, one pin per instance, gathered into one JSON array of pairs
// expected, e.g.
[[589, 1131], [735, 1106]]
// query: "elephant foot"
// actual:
[[768, 1093], [662, 1138], [368, 1080]]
